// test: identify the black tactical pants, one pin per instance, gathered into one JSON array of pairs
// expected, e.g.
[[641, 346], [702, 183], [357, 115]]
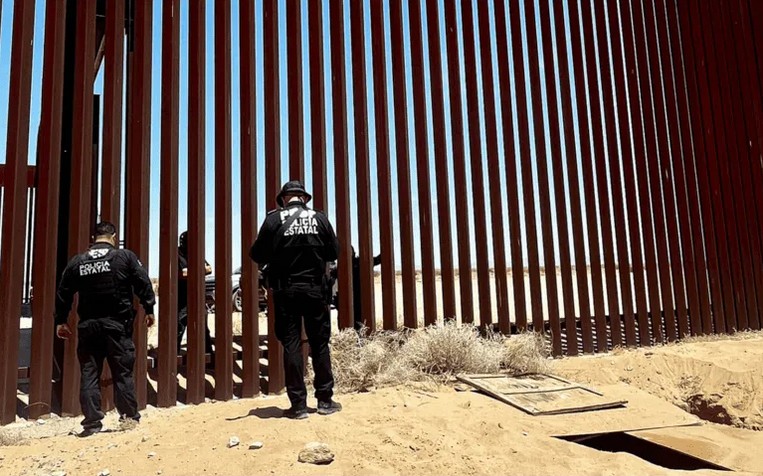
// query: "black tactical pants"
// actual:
[[108, 339], [292, 305], [183, 324]]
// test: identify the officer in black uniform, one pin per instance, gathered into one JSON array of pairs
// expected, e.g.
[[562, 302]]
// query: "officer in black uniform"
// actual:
[[106, 279], [297, 244], [183, 293]]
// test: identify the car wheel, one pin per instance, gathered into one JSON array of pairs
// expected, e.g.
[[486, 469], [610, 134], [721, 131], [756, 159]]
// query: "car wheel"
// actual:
[[237, 300]]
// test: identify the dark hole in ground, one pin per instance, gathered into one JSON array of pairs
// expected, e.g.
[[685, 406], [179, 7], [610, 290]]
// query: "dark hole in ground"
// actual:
[[646, 450]]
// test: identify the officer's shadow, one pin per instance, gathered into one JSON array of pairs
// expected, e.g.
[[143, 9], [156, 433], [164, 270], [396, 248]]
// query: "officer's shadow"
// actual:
[[265, 413]]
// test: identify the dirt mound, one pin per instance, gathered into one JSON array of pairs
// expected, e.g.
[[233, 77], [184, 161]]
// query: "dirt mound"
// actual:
[[719, 381]]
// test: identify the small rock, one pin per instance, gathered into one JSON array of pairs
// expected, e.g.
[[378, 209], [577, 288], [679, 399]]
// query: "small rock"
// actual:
[[152, 455], [159, 472], [233, 442], [316, 453], [145, 439], [524, 433], [256, 445], [58, 473], [40, 421], [500, 425], [105, 472]]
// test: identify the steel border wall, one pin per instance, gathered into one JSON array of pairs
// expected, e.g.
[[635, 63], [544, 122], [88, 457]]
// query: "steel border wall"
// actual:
[[662, 224]]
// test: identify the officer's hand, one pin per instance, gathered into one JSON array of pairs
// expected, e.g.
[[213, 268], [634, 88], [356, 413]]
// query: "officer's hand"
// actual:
[[150, 320], [63, 331]]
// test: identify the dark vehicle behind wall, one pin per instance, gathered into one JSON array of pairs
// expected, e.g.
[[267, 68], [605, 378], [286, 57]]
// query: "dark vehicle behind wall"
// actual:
[[236, 295]]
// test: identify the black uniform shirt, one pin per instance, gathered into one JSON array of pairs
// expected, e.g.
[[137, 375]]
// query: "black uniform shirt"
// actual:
[[106, 280], [182, 281], [299, 251]]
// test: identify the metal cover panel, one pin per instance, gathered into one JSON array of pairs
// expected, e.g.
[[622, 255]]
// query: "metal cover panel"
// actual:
[[541, 394]]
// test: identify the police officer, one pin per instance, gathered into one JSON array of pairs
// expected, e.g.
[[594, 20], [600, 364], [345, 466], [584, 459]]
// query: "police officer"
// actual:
[[183, 293], [297, 243], [106, 279]]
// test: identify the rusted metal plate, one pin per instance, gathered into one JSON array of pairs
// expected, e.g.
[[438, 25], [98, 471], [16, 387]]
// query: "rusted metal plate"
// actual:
[[541, 394]]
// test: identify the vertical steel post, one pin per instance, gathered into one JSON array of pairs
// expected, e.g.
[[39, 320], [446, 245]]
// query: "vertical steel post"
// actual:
[[556, 153], [317, 104], [447, 274], [272, 167], [363, 172], [14, 206], [386, 226], [468, 38], [197, 314], [459, 164], [46, 214], [407, 264], [426, 233], [223, 218], [592, 217], [138, 174], [294, 59], [112, 117], [168, 224], [611, 156], [511, 161], [549, 261], [249, 187], [80, 226]]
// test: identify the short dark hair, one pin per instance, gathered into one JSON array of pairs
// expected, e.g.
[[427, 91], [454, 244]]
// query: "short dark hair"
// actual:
[[105, 228]]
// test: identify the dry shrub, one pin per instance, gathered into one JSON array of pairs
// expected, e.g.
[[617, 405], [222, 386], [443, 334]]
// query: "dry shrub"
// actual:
[[433, 354], [451, 349], [525, 353]]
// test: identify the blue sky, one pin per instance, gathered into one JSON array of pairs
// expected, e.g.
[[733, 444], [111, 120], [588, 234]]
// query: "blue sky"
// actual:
[[540, 118]]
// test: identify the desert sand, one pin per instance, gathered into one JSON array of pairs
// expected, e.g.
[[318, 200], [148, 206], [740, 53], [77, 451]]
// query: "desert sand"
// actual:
[[432, 430]]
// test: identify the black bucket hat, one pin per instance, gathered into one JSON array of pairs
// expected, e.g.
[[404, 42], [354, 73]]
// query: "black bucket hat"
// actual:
[[294, 187]]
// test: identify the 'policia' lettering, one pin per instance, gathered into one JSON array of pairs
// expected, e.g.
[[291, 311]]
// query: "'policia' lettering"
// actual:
[[94, 268], [306, 224]]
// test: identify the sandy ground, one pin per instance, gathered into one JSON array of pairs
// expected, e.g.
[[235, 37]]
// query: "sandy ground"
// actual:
[[429, 430], [720, 379]]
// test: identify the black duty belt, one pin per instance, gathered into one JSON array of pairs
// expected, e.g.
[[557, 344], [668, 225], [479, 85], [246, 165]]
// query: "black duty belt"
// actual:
[[288, 281]]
